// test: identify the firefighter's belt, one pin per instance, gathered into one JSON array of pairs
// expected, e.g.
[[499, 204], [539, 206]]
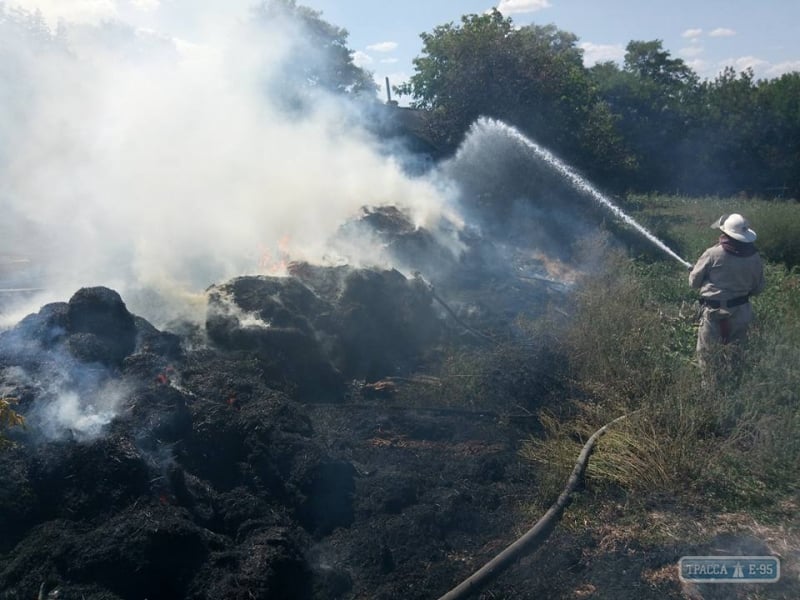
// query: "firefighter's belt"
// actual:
[[723, 304]]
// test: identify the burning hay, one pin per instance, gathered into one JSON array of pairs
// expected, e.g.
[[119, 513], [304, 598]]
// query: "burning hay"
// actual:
[[197, 466]]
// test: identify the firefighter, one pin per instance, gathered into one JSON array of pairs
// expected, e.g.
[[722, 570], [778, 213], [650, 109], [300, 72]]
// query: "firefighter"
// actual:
[[727, 275]]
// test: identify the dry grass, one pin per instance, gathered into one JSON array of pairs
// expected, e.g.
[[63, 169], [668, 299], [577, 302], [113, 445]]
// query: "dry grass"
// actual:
[[8, 418], [700, 461], [733, 442]]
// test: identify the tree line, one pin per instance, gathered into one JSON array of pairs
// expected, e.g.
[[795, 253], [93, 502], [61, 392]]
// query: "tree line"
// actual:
[[649, 125]]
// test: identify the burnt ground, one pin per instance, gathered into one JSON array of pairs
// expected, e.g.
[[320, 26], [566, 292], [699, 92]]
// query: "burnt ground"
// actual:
[[296, 446], [224, 474], [440, 492]]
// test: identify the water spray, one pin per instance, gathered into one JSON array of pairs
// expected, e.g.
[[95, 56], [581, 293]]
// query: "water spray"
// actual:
[[578, 182]]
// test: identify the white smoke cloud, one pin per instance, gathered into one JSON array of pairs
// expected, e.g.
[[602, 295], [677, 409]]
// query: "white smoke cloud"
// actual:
[[76, 11], [362, 59], [597, 53], [146, 5], [721, 32], [145, 157], [692, 33], [782, 68], [383, 47], [762, 69], [512, 7], [743, 63], [691, 51], [701, 67]]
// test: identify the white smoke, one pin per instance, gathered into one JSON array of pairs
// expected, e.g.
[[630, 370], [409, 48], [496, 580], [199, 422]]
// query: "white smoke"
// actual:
[[74, 400], [82, 417], [157, 156]]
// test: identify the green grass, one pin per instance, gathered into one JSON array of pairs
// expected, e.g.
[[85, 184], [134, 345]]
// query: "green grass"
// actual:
[[685, 223], [733, 444]]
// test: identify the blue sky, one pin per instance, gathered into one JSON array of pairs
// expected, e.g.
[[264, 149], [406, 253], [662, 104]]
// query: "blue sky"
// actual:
[[707, 34]]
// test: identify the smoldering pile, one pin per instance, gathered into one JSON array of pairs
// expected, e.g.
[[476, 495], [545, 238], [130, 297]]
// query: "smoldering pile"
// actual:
[[201, 477], [198, 460], [192, 461]]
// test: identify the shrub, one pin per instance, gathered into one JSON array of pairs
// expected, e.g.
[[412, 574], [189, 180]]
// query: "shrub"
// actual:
[[778, 228]]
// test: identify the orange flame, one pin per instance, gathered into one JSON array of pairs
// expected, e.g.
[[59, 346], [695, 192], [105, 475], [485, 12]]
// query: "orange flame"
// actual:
[[275, 261]]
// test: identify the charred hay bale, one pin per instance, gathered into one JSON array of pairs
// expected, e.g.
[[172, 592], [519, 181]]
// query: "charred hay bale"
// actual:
[[47, 327], [265, 447], [268, 318], [19, 504], [251, 445], [151, 340], [277, 301], [268, 565], [293, 360], [156, 551], [328, 488], [79, 481], [402, 241], [379, 320], [382, 322], [370, 324], [38, 559], [408, 243], [150, 551], [85, 480], [23, 344], [153, 551], [94, 327], [100, 327]]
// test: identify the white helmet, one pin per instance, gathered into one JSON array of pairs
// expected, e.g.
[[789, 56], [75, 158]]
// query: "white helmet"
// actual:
[[736, 226]]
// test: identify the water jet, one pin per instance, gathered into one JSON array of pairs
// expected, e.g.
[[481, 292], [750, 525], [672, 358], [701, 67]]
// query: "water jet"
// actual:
[[575, 180]]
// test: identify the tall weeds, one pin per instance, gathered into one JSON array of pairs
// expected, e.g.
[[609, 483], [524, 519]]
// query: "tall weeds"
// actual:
[[731, 438]]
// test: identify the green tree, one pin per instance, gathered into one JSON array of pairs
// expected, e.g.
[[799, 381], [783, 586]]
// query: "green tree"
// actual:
[[460, 73], [531, 77], [650, 62], [747, 135], [778, 103], [321, 59], [722, 141], [655, 98]]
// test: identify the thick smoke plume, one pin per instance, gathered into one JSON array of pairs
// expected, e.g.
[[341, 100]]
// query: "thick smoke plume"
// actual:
[[163, 157]]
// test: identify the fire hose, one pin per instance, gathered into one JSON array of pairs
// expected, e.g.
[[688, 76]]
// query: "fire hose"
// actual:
[[450, 311], [456, 318], [537, 534]]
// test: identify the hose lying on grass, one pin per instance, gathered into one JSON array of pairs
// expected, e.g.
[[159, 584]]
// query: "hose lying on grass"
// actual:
[[537, 534]]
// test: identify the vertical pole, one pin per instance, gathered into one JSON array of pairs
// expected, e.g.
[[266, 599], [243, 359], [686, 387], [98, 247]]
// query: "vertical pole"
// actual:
[[388, 92]]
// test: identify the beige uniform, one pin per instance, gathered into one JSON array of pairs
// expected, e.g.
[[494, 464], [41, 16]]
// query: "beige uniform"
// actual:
[[723, 276]]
